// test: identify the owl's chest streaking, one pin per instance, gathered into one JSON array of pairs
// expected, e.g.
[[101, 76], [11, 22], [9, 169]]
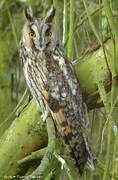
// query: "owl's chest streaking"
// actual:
[[52, 78]]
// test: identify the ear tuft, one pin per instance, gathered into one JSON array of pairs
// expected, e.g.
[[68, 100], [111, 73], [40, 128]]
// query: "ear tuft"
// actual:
[[50, 14], [28, 13]]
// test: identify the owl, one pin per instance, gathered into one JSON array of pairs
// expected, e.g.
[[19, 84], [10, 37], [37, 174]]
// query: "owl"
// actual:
[[52, 80]]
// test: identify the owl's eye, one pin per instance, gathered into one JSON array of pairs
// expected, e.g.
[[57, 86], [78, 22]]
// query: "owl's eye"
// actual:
[[32, 34], [48, 33]]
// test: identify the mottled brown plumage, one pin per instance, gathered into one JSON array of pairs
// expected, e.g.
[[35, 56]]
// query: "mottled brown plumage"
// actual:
[[52, 81]]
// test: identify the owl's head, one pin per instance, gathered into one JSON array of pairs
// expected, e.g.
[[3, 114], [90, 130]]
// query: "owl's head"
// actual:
[[39, 33]]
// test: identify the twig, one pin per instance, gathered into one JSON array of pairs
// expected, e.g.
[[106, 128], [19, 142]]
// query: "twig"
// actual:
[[95, 32], [109, 14], [13, 27], [108, 118], [1, 4], [65, 22], [37, 155], [15, 109], [86, 17], [71, 30]]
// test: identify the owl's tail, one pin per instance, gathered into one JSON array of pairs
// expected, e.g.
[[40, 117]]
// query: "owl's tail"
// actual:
[[81, 152], [74, 137]]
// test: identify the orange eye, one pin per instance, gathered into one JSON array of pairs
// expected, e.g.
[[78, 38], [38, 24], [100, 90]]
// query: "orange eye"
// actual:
[[32, 34]]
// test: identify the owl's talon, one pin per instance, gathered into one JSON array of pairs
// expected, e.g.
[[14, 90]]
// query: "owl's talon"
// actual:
[[44, 115], [74, 62]]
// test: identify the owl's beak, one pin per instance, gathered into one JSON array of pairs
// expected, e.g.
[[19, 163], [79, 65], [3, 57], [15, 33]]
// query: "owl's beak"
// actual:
[[41, 47]]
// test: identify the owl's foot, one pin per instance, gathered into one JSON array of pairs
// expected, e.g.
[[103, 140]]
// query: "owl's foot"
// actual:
[[74, 62], [44, 115]]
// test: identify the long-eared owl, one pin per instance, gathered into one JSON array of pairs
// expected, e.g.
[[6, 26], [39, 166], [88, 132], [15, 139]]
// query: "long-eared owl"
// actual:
[[52, 80]]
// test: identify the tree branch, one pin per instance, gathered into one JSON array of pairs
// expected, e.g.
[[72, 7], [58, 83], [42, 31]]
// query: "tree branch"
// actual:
[[23, 137], [45, 163]]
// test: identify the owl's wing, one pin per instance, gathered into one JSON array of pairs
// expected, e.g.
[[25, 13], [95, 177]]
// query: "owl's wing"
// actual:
[[58, 114]]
